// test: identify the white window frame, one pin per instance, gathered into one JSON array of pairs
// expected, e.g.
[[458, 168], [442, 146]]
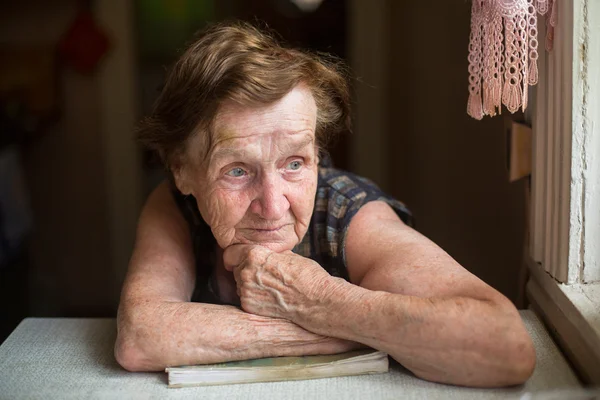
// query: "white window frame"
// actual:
[[564, 261]]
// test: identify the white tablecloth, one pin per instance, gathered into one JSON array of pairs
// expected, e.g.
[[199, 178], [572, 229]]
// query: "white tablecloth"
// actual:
[[55, 358]]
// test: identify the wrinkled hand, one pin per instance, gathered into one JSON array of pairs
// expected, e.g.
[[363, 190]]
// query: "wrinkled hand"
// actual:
[[279, 285]]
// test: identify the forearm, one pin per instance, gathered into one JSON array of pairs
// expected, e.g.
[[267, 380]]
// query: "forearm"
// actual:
[[152, 336], [454, 340]]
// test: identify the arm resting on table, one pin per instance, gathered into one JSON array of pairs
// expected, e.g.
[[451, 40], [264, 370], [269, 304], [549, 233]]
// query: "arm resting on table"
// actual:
[[413, 301], [157, 324]]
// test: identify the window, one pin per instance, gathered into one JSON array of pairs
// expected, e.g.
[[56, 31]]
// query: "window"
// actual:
[[565, 202]]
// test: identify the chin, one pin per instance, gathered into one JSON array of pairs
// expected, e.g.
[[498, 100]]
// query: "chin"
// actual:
[[278, 247], [275, 246], [279, 240]]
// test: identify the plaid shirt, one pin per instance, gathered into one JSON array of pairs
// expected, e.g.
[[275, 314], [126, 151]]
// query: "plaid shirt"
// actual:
[[339, 196]]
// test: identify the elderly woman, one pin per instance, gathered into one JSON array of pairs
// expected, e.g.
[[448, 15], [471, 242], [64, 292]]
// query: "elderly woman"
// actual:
[[257, 247]]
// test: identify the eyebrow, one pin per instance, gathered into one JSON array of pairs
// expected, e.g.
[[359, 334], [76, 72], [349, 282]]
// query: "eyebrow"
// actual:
[[224, 152]]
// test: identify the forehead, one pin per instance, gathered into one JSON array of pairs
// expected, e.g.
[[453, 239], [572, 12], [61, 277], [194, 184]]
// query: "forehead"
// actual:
[[295, 113]]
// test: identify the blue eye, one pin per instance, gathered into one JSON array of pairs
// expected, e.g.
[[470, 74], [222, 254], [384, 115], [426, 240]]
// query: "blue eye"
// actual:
[[295, 165], [236, 172]]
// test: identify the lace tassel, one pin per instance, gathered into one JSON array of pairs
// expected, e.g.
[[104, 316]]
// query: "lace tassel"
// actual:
[[497, 91], [542, 6], [487, 107], [511, 97], [525, 95], [554, 14], [492, 93], [474, 106], [533, 72]]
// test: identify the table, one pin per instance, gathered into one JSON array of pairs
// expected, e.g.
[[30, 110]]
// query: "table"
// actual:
[[55, 358]]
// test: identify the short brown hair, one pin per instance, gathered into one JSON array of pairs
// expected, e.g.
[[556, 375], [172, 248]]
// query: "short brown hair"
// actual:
[[238, 62]]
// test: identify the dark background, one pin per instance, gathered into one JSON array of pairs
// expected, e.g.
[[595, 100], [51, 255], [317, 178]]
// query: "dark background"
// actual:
[[68, 106]]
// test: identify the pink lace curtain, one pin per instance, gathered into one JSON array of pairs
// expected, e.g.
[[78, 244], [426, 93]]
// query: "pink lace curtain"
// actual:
[[503, 52]]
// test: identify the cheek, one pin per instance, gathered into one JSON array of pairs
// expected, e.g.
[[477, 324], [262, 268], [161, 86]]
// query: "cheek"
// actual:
[[303, 198], [223, 209]]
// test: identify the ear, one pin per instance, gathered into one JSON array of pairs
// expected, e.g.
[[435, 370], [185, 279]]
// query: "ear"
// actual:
[[181, 178]]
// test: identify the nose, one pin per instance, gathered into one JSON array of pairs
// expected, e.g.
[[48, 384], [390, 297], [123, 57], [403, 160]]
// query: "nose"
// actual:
[[271, 202]]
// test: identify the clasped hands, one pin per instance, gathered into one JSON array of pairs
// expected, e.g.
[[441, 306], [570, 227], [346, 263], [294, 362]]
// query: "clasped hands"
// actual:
[[278, 285]]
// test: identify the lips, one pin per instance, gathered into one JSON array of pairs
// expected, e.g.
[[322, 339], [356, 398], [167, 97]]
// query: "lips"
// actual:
[[267, 233], [268, 229]]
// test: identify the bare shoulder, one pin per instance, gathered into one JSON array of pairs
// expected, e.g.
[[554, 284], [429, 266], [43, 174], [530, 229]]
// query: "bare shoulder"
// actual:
[[383, 253], [162, 264], [365, 233], [161, 199]]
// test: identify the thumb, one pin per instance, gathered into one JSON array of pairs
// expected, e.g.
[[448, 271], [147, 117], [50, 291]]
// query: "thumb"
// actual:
[[234, 255]]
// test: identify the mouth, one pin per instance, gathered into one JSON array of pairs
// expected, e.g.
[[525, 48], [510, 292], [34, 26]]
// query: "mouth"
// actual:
[[268, 229]]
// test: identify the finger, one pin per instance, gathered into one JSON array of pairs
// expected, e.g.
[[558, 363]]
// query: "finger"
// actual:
[[238, 290], [234, 255], [236, 274]]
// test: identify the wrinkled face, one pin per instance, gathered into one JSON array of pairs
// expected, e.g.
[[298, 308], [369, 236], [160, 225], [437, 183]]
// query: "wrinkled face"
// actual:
[[258, 183]]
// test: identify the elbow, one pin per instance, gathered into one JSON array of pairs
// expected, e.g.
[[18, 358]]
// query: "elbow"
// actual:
[[130, 356], [517, 353], [131, 347], [515, 349], [522, 362]]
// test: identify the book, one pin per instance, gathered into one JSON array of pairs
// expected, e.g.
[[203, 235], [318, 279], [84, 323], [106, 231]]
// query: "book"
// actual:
[[357, 362]]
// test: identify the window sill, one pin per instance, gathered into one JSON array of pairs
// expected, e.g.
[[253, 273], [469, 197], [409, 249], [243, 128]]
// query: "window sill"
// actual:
[[571, 312], [586, 298]]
